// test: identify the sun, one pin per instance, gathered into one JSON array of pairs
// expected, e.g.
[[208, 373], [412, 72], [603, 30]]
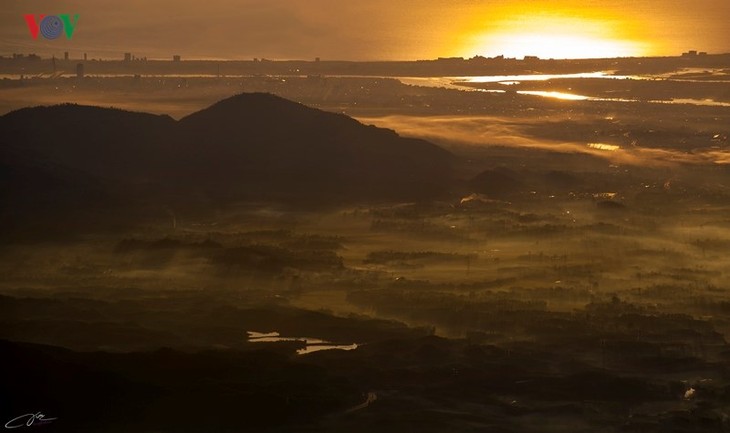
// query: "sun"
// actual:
[[560, 46], [554, 37]]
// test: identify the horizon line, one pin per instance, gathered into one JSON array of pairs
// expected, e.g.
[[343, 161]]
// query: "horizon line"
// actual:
[[169, 58]]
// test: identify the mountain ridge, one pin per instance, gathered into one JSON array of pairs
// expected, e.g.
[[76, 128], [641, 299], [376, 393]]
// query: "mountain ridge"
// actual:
[[249, 147]]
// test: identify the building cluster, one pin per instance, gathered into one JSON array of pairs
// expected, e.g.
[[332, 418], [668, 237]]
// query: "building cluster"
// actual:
[[129, 57]]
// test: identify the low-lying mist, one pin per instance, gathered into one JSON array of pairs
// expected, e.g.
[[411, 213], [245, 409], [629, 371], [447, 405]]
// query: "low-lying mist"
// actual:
[[467, 132]]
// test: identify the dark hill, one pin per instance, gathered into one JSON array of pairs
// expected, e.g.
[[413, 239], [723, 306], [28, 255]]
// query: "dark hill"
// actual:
[[37, 196], [167, 390], [262, 146], [248, 147], [499, 183], [105, 142], [69, 167]]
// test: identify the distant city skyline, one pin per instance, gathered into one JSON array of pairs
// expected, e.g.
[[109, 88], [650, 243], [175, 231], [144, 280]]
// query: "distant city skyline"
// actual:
[[374, 30]]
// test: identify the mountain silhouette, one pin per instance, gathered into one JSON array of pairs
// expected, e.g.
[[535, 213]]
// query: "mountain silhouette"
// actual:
[[248, 147], [100, 141], [263, 146], [500, 182]]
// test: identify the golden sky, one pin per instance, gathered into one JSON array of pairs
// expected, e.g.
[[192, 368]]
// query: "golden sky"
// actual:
[[374, 29]]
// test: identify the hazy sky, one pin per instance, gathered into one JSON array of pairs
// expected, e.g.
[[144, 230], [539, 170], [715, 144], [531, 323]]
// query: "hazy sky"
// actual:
[[373, 29]]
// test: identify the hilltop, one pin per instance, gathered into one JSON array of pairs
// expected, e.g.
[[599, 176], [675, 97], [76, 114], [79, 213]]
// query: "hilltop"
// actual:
[[74, 158]]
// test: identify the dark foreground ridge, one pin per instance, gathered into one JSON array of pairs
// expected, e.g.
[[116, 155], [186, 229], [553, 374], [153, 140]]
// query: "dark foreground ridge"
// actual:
[[256, 146]]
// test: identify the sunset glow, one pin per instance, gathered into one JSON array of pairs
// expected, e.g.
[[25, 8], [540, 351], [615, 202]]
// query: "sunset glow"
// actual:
[[564, 46], [556, 37], [375, 30]]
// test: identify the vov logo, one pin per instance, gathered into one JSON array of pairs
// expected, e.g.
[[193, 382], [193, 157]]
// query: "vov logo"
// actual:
[[51, 26]]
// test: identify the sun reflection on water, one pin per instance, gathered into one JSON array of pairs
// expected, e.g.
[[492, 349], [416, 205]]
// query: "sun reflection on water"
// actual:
[[604, 146]]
